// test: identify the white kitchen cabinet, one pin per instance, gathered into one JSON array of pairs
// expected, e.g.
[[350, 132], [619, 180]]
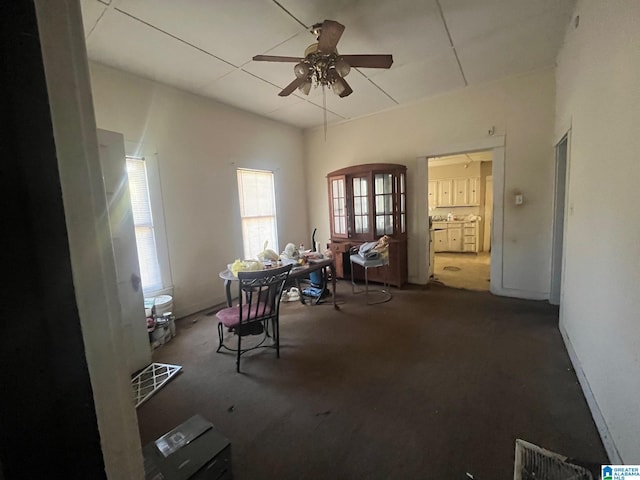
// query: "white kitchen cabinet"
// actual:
[[445, 198], [433, 193], [440, 241], [454, 192], [470, 237], [455, 236], [460, 191], [473, 186]]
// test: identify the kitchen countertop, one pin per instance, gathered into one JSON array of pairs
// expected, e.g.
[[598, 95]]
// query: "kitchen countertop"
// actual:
[[453, 221]]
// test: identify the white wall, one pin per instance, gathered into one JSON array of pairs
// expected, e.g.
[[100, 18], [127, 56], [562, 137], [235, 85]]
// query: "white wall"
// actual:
[[520, 107], [598, 95], [200, 143]]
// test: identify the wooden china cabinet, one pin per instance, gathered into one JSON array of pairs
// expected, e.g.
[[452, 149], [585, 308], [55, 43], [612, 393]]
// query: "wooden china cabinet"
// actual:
[[365, 203]]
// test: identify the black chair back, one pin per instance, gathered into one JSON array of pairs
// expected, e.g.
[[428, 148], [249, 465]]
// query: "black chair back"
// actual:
[[261, 291]]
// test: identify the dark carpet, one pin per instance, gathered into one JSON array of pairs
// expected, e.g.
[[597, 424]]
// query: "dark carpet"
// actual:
[[436, 383]]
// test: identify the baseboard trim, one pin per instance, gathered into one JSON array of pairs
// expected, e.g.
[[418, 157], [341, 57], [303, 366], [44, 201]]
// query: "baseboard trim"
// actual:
[[515, 293], [200, 307], [601, 424]]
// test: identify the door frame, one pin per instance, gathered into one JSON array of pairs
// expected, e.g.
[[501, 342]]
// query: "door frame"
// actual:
[[496, 144], [85, 204], [560, 199], [487, 227]]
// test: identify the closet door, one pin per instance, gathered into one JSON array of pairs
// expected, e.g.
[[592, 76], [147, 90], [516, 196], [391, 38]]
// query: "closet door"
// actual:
[[134, 322]]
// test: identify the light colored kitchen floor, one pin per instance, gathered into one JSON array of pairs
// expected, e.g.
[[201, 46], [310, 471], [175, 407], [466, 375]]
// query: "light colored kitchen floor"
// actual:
[[469, 271]]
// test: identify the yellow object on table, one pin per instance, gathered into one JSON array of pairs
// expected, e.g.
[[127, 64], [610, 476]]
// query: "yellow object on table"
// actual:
[[245, 266]]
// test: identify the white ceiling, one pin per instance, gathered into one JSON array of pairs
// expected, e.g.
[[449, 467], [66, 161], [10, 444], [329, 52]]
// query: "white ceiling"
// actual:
[[206, 47]]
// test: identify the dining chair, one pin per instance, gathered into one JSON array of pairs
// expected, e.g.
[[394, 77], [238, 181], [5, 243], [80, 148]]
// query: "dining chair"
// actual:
[[259, 294]]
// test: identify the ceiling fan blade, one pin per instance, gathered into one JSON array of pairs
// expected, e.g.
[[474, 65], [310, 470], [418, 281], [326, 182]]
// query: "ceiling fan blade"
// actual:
[[368, 61], [329, 35], [347, 88], [272, 58], [288, 90]]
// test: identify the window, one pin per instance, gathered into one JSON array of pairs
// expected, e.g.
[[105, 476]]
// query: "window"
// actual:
[[257, 210], [144, 226]]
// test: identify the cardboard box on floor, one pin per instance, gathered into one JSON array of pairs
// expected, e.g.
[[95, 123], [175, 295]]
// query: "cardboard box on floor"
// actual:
[[194, 450]]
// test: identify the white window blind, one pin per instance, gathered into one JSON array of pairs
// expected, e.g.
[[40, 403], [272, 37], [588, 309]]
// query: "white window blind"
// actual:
[[143, 223], [257, 210]]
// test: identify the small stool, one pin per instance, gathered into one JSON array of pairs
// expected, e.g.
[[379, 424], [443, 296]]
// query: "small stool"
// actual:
[[382, 261]]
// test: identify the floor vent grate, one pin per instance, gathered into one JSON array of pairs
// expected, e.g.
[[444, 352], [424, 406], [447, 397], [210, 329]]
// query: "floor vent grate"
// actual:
[[536, 463], [152, 379]]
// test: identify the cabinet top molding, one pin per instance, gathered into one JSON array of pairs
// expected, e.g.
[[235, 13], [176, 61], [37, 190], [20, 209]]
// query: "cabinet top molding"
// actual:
[[367, 167]]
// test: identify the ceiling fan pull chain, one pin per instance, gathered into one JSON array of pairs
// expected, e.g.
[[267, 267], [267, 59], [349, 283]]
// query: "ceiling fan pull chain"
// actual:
[[324, 109]]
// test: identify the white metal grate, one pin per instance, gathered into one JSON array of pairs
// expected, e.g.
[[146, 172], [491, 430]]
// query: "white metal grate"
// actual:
[[535, 463], [152, 379]]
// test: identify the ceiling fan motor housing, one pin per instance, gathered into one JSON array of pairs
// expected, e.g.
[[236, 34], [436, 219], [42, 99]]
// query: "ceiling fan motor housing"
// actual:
[[323, 65]]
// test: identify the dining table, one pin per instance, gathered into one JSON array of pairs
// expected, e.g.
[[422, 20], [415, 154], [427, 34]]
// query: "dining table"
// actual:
[[297, 273]]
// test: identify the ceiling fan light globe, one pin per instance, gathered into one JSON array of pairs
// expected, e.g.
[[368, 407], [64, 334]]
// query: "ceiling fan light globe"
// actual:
[[337, 88], [342, 67], [305, 87], [301, 70], [313, 48]]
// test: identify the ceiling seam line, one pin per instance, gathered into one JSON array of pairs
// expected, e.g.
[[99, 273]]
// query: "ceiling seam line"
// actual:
[[281, 43], [289, 13], [377, 86], [453, 47], [175, 37], [320, 106], [383, 91], [97, 22], [107, 6], [260, 78]]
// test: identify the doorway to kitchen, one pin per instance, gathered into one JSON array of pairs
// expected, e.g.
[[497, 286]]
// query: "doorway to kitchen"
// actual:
[[460, 203]]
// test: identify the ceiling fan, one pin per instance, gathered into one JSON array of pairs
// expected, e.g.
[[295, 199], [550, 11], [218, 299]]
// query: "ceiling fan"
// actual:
[[323, 65]]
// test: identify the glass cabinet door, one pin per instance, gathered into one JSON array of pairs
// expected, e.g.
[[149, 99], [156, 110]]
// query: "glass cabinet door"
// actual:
[[383, 195], [360, 201], [402, 210], [338, 206], [368, 201]]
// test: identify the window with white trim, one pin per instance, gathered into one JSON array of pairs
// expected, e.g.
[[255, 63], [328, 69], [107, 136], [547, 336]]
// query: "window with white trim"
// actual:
[[150, 272], [257, 210]]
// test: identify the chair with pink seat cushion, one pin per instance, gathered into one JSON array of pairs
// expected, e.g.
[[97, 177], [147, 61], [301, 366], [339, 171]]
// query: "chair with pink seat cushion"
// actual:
[[259, 294]]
